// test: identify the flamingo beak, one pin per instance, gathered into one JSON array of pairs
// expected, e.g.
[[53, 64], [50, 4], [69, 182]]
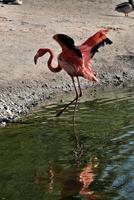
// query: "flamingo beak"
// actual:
[[36, 58]]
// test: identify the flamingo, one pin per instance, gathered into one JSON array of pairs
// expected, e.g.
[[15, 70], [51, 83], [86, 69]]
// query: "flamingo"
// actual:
[[75, 60]]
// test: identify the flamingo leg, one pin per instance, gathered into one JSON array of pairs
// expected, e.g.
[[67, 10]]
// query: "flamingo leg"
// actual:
[[80, 94], [75, 99]]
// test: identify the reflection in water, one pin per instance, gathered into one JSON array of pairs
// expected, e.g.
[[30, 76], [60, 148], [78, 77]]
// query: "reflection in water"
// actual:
[[51, 179], [86, 178], [76, 180], [78, 145], [78, 186]]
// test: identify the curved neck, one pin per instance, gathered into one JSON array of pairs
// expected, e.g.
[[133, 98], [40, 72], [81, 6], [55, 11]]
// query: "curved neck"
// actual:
[[49, 63]]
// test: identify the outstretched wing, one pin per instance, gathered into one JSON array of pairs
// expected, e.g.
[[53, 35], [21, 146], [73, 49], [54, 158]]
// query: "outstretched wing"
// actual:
[[100, 44], [96, 41], [67, 42]]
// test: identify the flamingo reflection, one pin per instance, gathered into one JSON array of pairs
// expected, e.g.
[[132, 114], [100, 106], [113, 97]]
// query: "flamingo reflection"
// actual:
[[75, 183]]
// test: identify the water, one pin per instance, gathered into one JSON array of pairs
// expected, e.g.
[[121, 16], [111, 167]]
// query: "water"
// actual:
[[50, 158]]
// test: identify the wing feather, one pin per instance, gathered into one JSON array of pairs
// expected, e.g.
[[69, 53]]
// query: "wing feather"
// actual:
[[66, 41], [96, 41], [101, 44]]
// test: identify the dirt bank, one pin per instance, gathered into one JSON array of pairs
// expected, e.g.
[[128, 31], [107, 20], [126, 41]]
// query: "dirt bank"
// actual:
[[26, 28]]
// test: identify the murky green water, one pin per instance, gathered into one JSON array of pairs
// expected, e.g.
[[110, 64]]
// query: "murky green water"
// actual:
[[48, 158]]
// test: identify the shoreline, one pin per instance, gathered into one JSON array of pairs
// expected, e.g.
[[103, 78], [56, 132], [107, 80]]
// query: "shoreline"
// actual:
[[15, 103]]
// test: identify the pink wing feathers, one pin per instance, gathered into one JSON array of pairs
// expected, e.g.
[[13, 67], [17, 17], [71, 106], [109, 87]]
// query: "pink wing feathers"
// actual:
[[92, 44], [89, 48], [79, 57]]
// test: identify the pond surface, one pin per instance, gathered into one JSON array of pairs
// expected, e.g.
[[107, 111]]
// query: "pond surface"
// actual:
[[49, 158]]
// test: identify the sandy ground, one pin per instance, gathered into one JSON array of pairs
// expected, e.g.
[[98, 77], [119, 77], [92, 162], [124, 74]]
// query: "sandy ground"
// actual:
[[26, 28]]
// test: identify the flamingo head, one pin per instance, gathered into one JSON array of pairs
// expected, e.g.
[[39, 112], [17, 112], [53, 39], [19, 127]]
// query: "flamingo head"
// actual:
[[39, 53]]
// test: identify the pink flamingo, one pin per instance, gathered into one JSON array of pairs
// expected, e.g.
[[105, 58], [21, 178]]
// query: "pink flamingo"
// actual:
[[75, 60]]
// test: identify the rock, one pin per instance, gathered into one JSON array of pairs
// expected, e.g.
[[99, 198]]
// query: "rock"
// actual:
[[2, 124]]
